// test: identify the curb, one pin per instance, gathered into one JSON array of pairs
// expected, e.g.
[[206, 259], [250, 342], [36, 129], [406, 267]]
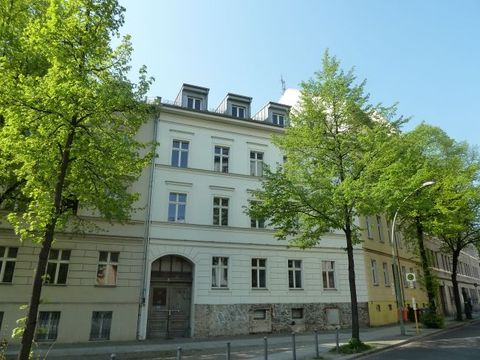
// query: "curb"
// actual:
[[410, 339]]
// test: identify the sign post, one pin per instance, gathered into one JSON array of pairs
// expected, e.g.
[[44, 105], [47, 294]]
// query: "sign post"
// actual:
[[414, 304]]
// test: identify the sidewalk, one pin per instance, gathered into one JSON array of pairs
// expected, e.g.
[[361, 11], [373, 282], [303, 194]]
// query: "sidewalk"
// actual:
[[244, 347]]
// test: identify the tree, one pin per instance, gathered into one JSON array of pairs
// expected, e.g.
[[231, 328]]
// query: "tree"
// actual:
[[457, 220], [70, 116], [332, 139], [424, 154]]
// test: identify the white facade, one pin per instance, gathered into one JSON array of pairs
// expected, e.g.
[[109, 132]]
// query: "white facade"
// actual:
[[235, 306]]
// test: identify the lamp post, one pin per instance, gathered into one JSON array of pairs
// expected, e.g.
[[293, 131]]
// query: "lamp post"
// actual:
[[396, 267]]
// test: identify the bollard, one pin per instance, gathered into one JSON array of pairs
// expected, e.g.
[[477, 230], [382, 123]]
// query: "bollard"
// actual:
[[179, 353], [317, 352], [228, 351], [113, 357], [265, 341], [337, 339], [294, 350]]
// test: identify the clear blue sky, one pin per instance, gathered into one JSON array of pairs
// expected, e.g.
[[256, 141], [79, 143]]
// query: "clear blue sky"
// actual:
[[425, 54]]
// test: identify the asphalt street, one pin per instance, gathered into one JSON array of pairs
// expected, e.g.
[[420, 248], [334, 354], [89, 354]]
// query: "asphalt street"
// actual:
[[460, 343]]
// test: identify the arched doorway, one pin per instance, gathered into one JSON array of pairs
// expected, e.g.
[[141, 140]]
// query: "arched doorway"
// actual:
[[170, 297]]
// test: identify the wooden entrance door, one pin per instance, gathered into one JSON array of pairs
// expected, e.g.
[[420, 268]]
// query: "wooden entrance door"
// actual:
[[169, 314]]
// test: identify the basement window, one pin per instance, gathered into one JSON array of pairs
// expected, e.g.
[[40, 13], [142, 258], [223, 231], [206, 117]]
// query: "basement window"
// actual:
[[260, 314], [297, 313]]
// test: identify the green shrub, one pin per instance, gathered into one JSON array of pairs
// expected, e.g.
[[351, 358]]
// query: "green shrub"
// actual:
[[352, 347], [432, 320]]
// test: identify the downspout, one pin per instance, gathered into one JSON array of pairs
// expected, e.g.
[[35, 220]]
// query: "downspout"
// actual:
[[146, 235]]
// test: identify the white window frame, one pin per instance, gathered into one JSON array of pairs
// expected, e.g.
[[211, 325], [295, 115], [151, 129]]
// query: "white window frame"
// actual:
[[47, 328], [386, 274], [278, 119], [367, 225], [195, 101], [257, 223], [389, 231], [177, 204], [219, 280], [57, 262], [6, 258], [222, 159], [380, 228], [374, 271], [256, 164], [110, 266], [256, 272], [295, 267], [220, 207], [181, 152], [328, 268], [236, 111]]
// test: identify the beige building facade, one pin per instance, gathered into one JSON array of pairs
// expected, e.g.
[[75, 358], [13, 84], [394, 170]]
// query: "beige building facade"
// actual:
[[93, 284]]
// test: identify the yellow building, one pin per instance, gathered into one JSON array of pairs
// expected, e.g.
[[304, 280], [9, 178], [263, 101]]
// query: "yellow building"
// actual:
[[377, 246]]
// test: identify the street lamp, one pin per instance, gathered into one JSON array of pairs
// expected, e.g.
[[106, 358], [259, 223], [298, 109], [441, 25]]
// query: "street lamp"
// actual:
[[396, 267]]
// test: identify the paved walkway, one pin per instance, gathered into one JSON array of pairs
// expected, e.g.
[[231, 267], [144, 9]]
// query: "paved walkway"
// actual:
[[242, 347]]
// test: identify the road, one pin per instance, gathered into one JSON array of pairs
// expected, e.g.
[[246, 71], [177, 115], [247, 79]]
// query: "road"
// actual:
[[461, 343]]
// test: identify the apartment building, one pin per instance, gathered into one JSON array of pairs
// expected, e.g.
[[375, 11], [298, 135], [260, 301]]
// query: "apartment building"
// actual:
[[468, 276], [93, 280], [382, 303], [211, 269], [377, 247]]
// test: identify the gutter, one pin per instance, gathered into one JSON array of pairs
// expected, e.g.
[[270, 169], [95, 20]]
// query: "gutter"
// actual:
[[146, 236]]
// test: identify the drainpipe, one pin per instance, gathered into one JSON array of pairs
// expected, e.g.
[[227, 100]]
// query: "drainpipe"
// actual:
[[146, 235]]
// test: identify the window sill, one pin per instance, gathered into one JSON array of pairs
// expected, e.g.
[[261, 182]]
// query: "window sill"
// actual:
[[52, 284], [105, 286], [259, 289], [330, 289], [296, 289], [6, 283], [219, 288]]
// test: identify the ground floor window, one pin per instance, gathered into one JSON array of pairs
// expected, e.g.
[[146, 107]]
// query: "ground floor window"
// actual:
[[47, 328], [101, 324]]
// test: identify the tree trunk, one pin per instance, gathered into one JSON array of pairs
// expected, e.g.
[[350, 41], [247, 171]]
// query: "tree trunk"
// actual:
[[456, 292], [425, 267], [351, 281], [31, 323]]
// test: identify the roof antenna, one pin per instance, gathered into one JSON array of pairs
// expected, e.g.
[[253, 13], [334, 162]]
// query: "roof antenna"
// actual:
[[283, 84]]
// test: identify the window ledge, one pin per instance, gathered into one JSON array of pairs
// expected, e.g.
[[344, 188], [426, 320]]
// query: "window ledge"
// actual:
[[330, 289], [219, 288], [6, 283], [296, 289], [259, 289], [52, 284], [105, 286]]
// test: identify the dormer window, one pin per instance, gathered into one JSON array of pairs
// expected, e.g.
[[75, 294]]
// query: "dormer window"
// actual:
[[238, 111], [192, 97], [234, 105], [278, 119], [194, 103], [273, 113]]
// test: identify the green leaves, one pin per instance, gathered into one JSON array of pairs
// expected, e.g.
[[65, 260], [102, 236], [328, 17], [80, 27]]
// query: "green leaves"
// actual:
[[334, 137], [77, 114]]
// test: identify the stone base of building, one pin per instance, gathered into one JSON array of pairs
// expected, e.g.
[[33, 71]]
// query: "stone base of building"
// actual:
[[241, 319]]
